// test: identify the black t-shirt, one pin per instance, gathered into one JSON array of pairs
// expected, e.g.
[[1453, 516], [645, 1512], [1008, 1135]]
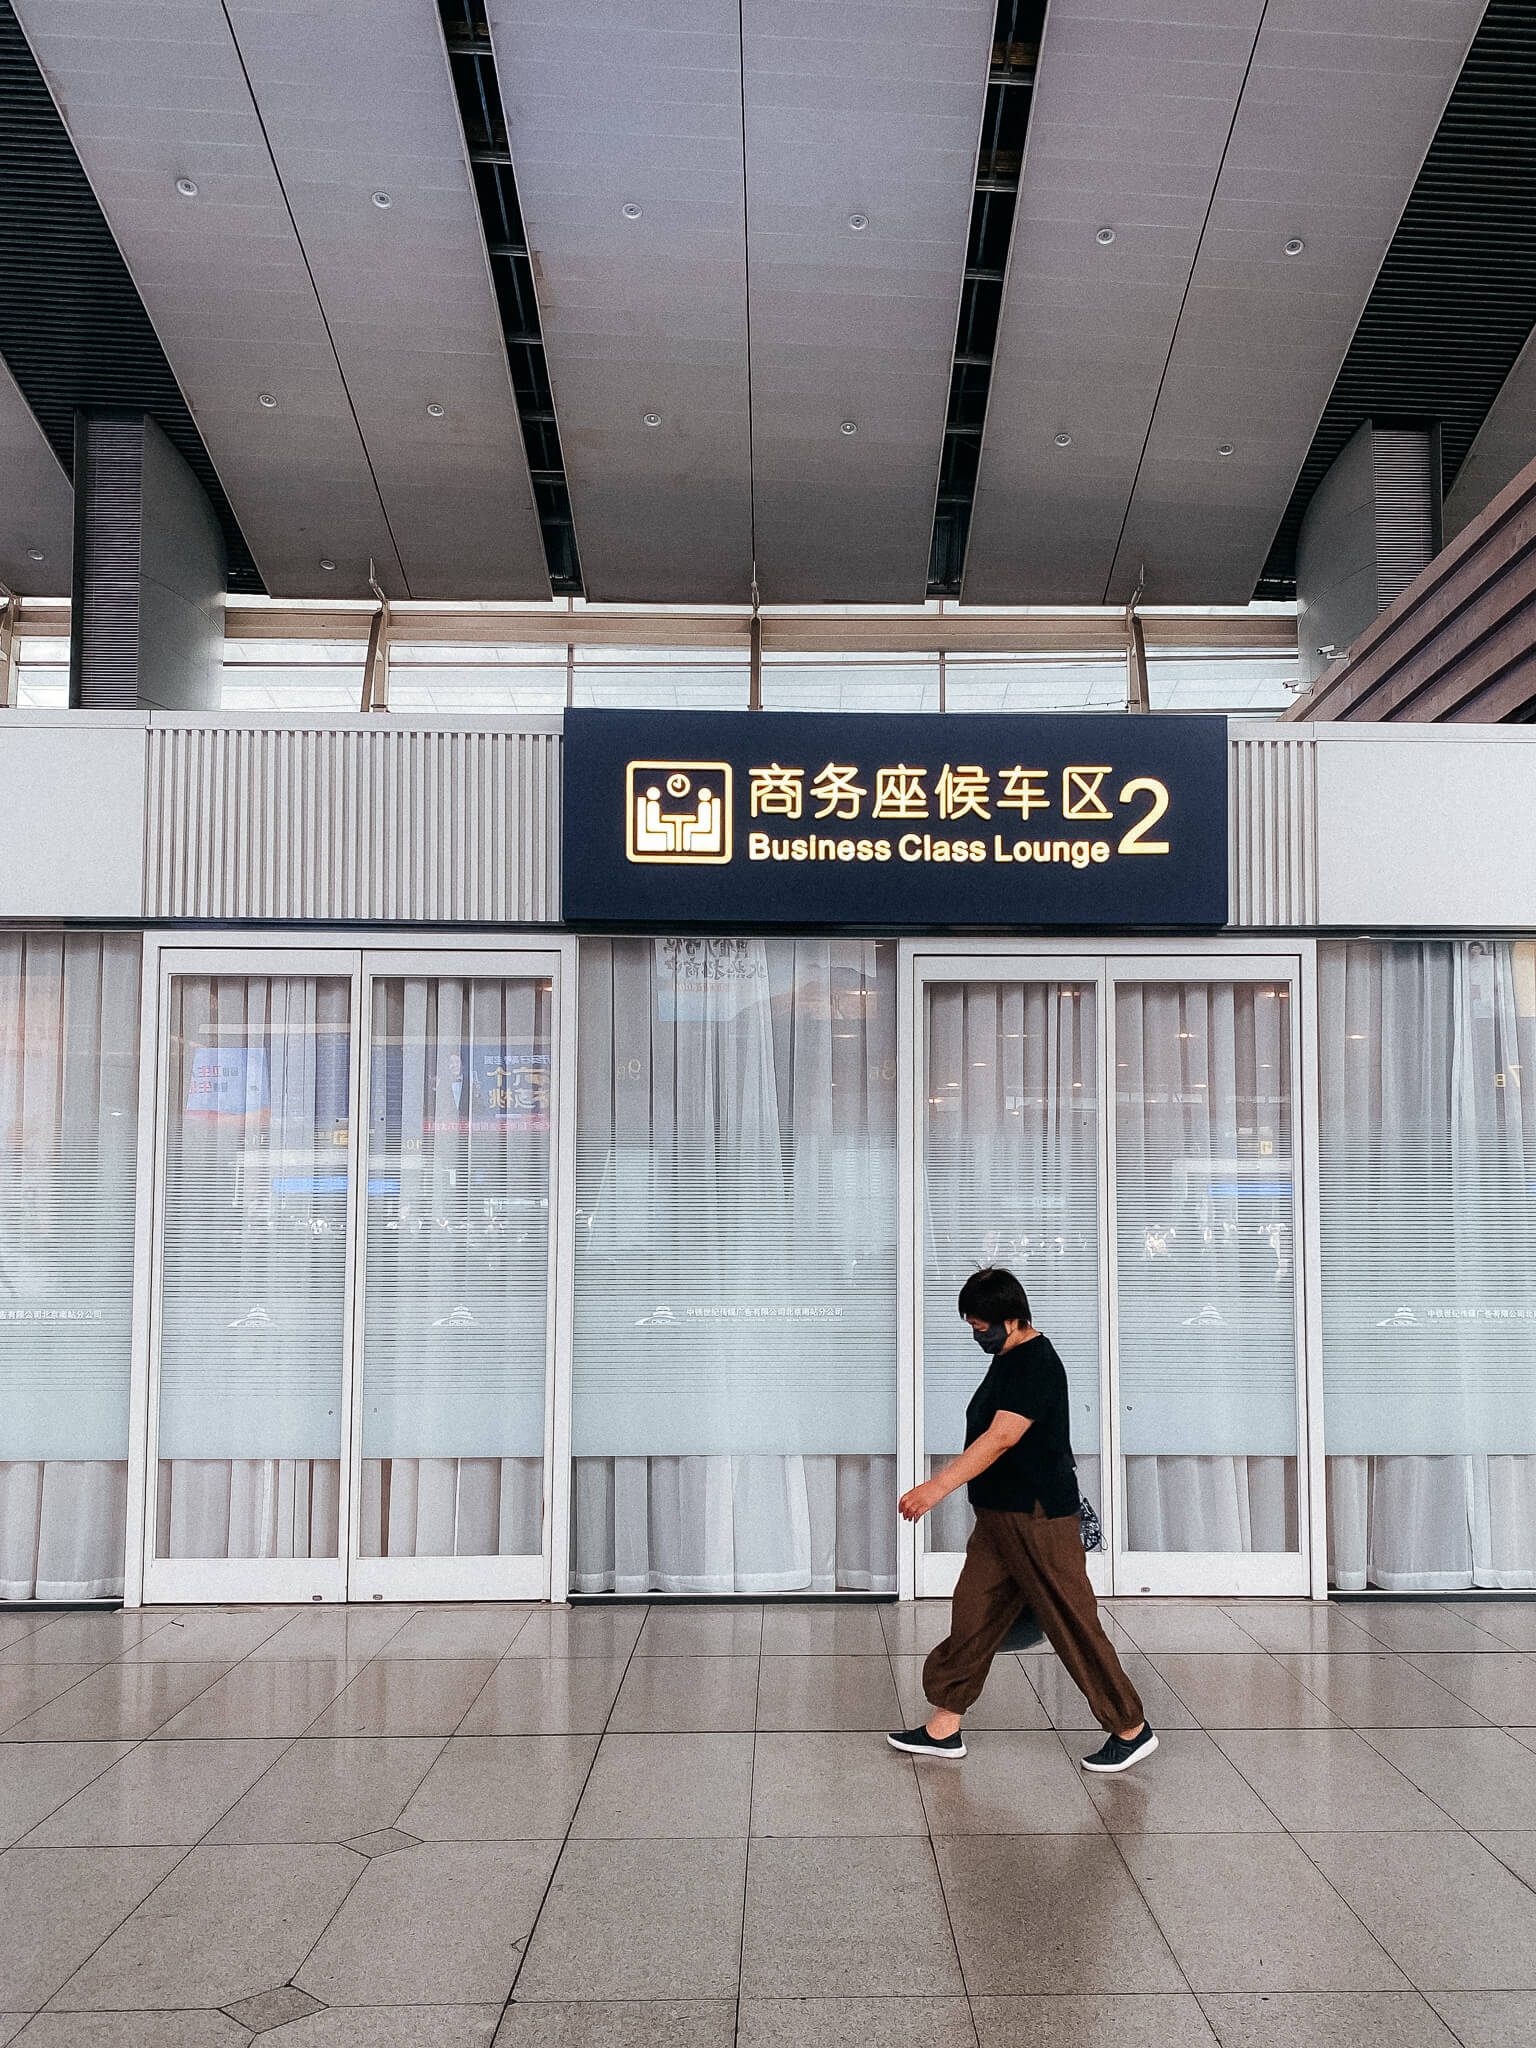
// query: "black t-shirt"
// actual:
[[1029, 1380]]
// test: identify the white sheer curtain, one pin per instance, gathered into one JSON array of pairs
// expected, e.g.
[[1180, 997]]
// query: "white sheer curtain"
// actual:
[[734, 1396], [69, 1011], [1428, 1153]]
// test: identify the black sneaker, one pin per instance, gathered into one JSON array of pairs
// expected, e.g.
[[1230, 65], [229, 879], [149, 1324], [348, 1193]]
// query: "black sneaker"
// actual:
[[1118, 1754], [918, 1742]]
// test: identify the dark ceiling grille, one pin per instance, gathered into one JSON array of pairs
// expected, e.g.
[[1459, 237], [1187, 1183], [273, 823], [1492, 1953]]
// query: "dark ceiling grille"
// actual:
[[1456, 297], [73, 330], [1010, 83], [473, 62]]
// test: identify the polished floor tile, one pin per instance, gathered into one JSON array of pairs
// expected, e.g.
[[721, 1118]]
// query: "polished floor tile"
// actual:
[[58, 1905], [839, 1917], [605, 1632], [160, 1793], [350, 1633], [827, 1691], [1171, 1627], [202, 1635], [1125, 2019], [225, 1924], [1241, 1691], [136, 2030], [267, 1696], [1481, 1777], [417, 2026], [1009, 1784], [869, 2022], [545, 1696], [1444, 1908], [1418, 1625], [1511, 1623], [1378, 1691], [1008, 1700], [331, 1791], [1187, 1788], [701, 1632], [1252, 1913], [794, 1631], [118, 1702], [1065, 1706], [652, 1919], [36, 1778], [1515, 1849], [620, 2023], [678, 1786], [833, 1784], [1501, 1686], [1050, 1913], [687, 1695], [24, 1688], [501, 1788], [458, 1632], [1301, 1625], [82, 1638], [441, 1922], [406, 1696], [1325, 2019], [914, 1627], [1321, 1779], [1488, 2019]]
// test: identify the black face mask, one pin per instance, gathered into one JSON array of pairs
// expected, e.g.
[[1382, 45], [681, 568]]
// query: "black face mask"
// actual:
[[992, 1338]]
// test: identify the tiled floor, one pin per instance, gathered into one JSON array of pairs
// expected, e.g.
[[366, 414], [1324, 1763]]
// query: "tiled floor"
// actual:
[[439, 1828]]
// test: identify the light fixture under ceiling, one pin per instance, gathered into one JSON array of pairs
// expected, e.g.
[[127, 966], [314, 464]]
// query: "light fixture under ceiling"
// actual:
[[651, 419], [858, 222], [325, 564], [630, 211], [849, 427], [1063, 440], [187, 188], [434, 411], [1104, 237], [1294, 246], [1224, 448], [381, 200], [266, 401], [34, 554]]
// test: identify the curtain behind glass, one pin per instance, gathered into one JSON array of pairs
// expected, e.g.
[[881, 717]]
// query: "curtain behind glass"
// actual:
[[734, 1380], [69, 1034], [1428, 1157]]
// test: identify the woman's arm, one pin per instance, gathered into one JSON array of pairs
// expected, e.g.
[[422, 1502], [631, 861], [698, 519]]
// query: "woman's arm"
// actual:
[[1004, 1433]]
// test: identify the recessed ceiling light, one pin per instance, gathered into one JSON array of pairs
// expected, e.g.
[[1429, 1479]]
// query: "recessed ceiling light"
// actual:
[[1063, 440], [326, 564], [186, 188], [630, 211], [434, 411], [1104, 237], [266, 399], [1294, 246], [34, 554], [849, 427], [381, 200], [1224, 448], [651, 419], [858, 222]]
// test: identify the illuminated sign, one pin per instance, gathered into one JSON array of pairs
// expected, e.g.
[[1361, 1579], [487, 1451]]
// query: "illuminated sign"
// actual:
[[807, 819]]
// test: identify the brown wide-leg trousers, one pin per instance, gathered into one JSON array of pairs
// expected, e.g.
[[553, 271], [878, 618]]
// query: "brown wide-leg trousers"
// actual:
[[1011, 1561]]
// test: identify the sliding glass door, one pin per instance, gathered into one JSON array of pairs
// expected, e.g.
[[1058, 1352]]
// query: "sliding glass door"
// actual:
[[1121, 1131], [351, 1339]]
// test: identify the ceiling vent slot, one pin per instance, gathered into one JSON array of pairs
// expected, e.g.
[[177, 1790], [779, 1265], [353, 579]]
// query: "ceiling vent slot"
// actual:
[[999, 167], [1455, 298], [472, 60], [73, 329]]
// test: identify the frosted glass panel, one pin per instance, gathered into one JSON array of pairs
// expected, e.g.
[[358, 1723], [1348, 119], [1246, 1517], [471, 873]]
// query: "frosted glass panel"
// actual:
[[1010, 1178], [254, 1265], [736, 1198], [1205, 1243], [69, 1028], [457, 1265]]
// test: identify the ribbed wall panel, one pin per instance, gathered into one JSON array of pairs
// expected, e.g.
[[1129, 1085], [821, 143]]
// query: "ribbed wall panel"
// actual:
[[1273, 810], [398, 825]]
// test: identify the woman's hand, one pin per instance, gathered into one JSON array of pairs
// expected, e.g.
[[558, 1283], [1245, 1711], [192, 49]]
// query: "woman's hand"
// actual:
[[920, 1500]]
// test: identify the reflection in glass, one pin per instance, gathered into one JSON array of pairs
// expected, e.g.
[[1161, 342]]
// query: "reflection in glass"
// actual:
[[457, 1268], [253, 1287], [1205, 1237], [1011, 1178]]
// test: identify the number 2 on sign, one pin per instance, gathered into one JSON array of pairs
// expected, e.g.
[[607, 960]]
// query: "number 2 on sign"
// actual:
[[1135, 840]]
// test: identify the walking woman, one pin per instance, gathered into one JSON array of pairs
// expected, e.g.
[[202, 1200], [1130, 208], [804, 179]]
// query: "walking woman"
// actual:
[[1027, 1546]]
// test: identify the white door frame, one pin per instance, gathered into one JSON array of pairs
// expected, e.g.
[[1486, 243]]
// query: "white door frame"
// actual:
[[152, 1579], [1222, 957]]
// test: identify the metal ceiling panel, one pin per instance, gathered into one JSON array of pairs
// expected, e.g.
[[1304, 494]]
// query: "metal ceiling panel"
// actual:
[[156, 92], [355, 98], [1505, 443], [869, 109], [36, 505], [609, 105], [1341, 103], [1131, 114]]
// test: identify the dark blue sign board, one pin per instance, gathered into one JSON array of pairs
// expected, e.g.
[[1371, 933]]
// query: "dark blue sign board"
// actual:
[[807, 819]]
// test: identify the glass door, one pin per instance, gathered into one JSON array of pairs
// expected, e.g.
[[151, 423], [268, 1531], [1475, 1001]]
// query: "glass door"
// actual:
[[1122, 1133], [351, 1335]]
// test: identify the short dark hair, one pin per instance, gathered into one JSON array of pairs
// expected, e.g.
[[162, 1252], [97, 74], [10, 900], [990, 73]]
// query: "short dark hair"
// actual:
[[995, 1295]]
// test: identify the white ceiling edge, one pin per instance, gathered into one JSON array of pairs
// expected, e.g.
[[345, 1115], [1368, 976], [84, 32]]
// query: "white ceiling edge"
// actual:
[[36, 502]]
